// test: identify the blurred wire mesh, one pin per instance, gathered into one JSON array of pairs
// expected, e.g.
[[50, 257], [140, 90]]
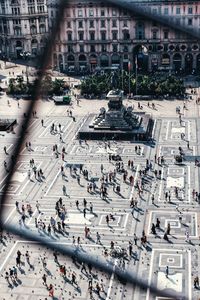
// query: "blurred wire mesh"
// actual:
[[134, 8]]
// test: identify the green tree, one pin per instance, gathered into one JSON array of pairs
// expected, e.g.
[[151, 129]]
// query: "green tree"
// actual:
[[58, 86]]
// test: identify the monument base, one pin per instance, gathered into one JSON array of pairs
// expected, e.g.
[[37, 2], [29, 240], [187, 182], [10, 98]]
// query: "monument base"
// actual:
[[7, 124], [141, 133]]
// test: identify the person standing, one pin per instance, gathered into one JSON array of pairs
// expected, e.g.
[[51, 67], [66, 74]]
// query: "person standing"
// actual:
[[135, 238], [167, 271], [98, 238], [44, 278]]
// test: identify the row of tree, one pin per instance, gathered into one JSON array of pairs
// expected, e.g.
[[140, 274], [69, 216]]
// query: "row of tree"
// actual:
[[18, 86], [146, 85]]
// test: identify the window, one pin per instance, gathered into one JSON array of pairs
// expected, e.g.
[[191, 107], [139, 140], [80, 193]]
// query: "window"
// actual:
[[42, 19], [115, 48], [103, 35], [154, 35], [16, 11], [91, 12], [125, 48], [125, 23], [140, 32], [114, 23], [80, 13], [103, 48], [32, 21], [165, 47], [42, 29], [81, 35], [70, 48], [154, 11], [177, 35], [17, 31], [52, 13], [91, 24], [103, 23], [102, 12], [190, 10], [92, 36], [69, 36], [126, 35], [166, 34], [114, 35], [68, 24], [178, 10], [114, 12], [166, 11], [31, 10], [16, 22], [80, 24], [40, 8], [81, 48], [92, 48], [190, 22], [33, 30]]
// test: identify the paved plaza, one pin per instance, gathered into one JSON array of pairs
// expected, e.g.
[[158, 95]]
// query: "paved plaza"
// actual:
[[82, 170]]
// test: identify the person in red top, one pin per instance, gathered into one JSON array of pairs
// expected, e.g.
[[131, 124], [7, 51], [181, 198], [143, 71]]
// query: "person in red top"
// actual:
[[51, 290]]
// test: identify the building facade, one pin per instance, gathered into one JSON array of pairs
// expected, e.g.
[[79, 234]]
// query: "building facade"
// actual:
[[96, 35], [23, 27]]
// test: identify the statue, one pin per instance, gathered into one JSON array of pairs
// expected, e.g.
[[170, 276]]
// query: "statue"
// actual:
[[114, 80]]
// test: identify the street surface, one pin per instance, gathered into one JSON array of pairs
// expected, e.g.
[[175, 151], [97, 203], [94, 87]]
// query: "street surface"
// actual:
[[173, 191]]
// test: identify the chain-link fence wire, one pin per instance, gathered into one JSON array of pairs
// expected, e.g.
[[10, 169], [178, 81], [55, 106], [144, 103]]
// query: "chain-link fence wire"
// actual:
[[100, 263]]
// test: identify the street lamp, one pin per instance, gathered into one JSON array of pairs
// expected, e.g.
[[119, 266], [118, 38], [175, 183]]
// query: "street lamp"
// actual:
[[144, 51], [25, 55]]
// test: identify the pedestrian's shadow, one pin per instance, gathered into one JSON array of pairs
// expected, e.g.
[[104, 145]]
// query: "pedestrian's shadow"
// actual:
[[48, 272], [52, 237], [78, 289], [10, 286], [32, 267], [91, 239], [136, 219], [18, 281], [95, 215], [22, 271], [169, 241], [3, 242]]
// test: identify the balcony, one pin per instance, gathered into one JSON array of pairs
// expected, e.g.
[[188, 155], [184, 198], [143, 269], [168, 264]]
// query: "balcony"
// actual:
[[97, 41], [138, 41], [123, 41], [154, 41]]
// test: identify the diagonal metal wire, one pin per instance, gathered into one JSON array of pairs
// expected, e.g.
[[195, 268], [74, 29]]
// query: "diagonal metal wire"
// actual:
[[96, 261], [44, 62], [144, 10], [79, 255]]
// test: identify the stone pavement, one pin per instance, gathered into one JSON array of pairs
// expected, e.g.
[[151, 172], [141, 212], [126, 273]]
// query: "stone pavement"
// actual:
[[149, 262]]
